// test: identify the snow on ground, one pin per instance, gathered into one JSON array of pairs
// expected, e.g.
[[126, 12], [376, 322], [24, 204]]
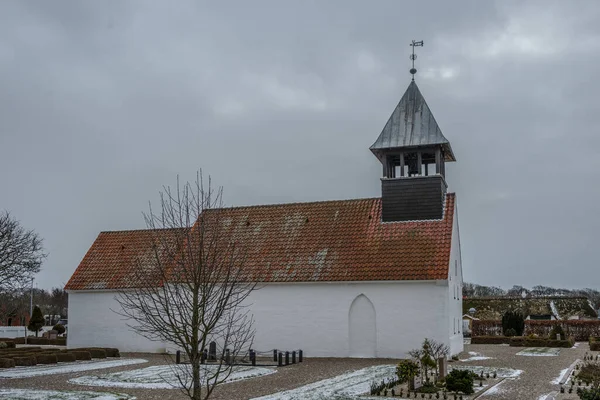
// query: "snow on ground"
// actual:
[[162, 376], [476, 357], [66, 368], [345, 386], [539, 352], [554, 309], [29, 394], [496, 389], [501, 372], [560, 377]]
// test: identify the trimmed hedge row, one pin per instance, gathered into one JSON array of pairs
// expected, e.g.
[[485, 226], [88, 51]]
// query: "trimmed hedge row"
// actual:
[[9, 344], [524, 341], [66, 357], [80, 355], [46, 358], [34, 340], [7, 363], [490, 340], [25, 361], [595, 343], [580, 330]]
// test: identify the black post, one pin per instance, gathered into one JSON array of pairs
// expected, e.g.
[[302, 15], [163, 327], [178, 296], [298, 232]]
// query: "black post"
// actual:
[[203, 356], [178, 357], [227, 357], [253, 357], [300, 355], [275, 355], [294, 357], [287, 358], [280, 360]]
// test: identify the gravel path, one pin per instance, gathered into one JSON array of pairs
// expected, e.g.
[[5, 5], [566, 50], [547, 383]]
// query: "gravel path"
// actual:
[[538, 375], [535, 382], [311, 370]]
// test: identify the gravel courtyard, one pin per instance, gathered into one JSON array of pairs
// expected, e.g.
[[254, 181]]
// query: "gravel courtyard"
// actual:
[[534, 383]]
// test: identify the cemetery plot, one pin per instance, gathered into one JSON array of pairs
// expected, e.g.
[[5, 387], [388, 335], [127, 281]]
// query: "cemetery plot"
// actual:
[[28, 394], [540, 352], [63, 368], [346, 386], [163, 376]]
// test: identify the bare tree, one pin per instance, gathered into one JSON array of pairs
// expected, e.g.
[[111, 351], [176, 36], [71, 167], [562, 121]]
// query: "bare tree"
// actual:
[[21, 256], [21, 253], [193, 288]]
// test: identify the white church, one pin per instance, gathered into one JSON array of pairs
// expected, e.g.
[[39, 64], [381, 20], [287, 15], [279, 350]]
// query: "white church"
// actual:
[[347, 278]]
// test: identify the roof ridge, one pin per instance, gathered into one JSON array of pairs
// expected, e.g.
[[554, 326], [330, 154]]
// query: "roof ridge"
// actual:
[[142, 230], [298, 203]]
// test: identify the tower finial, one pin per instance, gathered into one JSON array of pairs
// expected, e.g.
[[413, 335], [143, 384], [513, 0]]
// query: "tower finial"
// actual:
[[413, 57]]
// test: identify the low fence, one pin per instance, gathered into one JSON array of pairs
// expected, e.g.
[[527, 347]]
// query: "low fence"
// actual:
[[580, 330], [269, 358], [11, 332]]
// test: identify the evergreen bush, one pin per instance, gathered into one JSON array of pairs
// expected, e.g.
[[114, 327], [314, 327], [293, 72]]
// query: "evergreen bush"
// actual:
[[36, 322], [513, 320], [460, 381]]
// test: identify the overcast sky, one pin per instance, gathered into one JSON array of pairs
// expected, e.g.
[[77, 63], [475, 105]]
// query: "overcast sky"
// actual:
[[103, 102]]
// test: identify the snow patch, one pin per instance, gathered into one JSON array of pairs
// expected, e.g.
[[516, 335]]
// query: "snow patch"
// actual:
[[164, 376], [554, 309], [476, 357], [350, 384], [560, 377], [496, 389], [539, 352], [66, 368], [28, 394]]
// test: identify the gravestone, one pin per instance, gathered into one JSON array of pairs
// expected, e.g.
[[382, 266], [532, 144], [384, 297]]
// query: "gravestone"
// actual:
[[212, 351], [558, 336], [416, 383], [442, 367]]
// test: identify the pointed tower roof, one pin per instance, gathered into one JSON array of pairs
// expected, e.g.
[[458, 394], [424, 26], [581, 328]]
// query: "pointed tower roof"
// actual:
[[411, 125]]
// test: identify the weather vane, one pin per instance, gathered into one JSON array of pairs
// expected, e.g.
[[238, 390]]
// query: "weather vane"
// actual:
[[413, 57]]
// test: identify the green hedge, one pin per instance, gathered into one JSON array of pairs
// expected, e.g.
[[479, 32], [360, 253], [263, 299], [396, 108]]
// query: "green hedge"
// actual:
[[490, 340], [66, 357], [9, 344], [525, 341], [7, 363], [46, 358], [25, 361], [46, 341], [594, 343], [81, 355]]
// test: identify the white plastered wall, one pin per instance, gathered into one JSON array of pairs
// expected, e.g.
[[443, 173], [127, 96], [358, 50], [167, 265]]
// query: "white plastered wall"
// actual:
[[92, 322], [455, 284]]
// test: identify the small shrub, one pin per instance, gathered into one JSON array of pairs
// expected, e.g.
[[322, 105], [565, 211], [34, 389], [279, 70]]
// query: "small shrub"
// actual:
[[66, 357], [36, 322], [510, 332], [27, 361], [428, 387], [557, 330], [460, 381], [7, 363], [59, 328], [3, 345], [406, 370], [46, 358], [589, 394], [10, 344], [589, 372]]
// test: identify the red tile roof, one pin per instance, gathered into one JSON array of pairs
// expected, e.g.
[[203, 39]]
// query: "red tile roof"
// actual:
[[299, 242]]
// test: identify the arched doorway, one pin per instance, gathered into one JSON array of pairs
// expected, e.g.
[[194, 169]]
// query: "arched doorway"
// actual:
[[362, 328]]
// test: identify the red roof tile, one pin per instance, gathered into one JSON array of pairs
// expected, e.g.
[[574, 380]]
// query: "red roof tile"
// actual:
[[299, 242]]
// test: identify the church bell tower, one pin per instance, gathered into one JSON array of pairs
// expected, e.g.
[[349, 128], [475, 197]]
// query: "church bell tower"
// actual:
[[413, 153]]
